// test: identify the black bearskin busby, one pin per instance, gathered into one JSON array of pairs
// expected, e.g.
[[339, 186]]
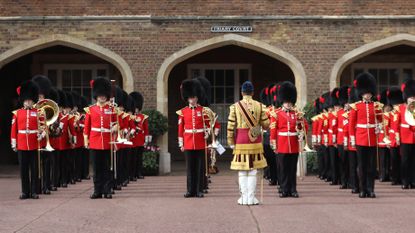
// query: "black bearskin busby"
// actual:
[[120, 97], [28, 90], [76, 99], [138, 99], [353, 95], [273, 95], [101, 87], [287, 92], [325, 101], [84, 104], [365, 83], [383, 98], [44, 83], [334, 99], [394, 96], [343, 95], [408, 89], [130, 104], [191, 88], [54, 95], [62, 98], [316, 106], [263, 96], [206, 97], [70, 103]]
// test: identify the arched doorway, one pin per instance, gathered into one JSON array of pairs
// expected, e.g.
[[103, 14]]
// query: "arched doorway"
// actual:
[[390, 60], [232, 54], [66, 61]]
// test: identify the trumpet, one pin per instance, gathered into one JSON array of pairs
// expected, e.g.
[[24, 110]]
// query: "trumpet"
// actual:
[[50, 111], [410, 114], [302, 131]]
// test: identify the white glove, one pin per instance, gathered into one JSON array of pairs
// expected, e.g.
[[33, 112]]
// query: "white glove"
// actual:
[[345, 142], [232, 146], [334, 139]]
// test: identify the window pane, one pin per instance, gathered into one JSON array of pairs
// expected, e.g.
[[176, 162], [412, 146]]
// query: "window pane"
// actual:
[[194, 73], [219, 98], [383, 77], [243, 75], [77, 90], [102, 73], [229, 95], [407, 74], [76, 78], [357, 72], [53, 76], [66, 78], [394, 74], [86, 77], [210, 76], [219, 77], [229, 77]]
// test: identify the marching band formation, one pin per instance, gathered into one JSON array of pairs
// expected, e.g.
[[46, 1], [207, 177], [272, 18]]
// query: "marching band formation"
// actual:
[[56, 133], [357, 134]]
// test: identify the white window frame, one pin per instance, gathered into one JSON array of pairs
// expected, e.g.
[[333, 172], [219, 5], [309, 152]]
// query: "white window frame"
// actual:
[[60, 67], [367, 66]]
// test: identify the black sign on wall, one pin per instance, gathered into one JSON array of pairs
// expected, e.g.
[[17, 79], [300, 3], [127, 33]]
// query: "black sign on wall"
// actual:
[[246, 29]]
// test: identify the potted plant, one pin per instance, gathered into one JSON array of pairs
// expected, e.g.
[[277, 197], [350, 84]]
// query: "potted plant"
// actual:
[[157, 126]]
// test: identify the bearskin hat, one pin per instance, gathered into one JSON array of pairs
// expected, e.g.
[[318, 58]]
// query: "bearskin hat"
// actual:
[[70, 103], [325, 101], [316, 106], [353, 95], [138, 99], [263, 96], [408, 89], [120, 97], [206, 97], [130, 104], [394, 96], [44, 83], [84, 103], [101, 87], [343, 95], [383, 98], [191, 88], [365, 83], [287, 92], [54, 95], [273, 94], [62, 98], [28, 90], [76, 99], [334, 100]]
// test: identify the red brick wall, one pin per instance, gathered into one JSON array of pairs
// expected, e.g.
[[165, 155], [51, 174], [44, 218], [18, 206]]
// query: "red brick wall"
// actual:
[[212, 7]]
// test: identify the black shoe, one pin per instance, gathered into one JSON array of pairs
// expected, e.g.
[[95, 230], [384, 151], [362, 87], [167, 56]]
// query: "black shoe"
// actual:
[[355, 191], [382, 180], [95, 196], [140, 177], [205, 191], [362, 195], [343, 186], [46, 192], [199, 195], [412, 186], [107, 196], [24, 196], [112, 191], [284, 195], [34, 196], [272, 183], [334, 183], [87, 178], [188, 194], [279, 190], [118, 187], [53, 189], [73, 182], [64, 185], [371, 195], [78, 180], [405, 186], [295, 195], [395, 183]]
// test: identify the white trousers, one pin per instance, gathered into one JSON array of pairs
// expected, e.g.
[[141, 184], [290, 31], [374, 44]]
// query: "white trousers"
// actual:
[[247, 187]]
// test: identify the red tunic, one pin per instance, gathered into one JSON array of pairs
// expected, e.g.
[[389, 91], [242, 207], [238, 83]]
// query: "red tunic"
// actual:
[[394, 128], [192, 126], [384, 129], [24, 130], [332, 128], [98, 121], [406, 131], [285, 133], [364, 118], [141, 129]]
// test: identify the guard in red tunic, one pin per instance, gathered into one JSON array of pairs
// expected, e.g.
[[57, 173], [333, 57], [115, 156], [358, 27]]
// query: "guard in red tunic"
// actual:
[[405, 124], [287, 130], [67, 140], [193, 125], [342, 96], [142, 136], [324, 130], [383, 138], [54, 132], [351, 150], [99, 130], [26, 136], [332, 136], [395, 99], [365, 117], [316, 120]]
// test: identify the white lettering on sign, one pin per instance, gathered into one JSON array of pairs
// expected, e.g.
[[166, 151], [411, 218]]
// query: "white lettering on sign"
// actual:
[[231, 29]]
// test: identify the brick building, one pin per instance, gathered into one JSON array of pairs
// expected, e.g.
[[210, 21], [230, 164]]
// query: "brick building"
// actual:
[[151, 46]]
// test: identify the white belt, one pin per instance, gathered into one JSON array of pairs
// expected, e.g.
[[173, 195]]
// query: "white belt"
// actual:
[[405, 126], [366, 126], [194, 130], [27, 131], [391, 131], [330, 131], [340, 130], [102, 130], [287, 134], [81, 125]]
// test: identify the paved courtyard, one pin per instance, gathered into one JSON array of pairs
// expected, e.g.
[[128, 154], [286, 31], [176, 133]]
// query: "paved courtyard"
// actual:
[[156, 204]]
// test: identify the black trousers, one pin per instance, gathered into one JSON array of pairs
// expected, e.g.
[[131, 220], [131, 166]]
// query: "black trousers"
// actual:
[[194, 160], [56, 168], [120, 164], [78, 164], [46, 169], [353, 176], [395, 164], [320, 160], [204, 184], [384, 163], [344, 165], [288, 172], [366, 162], [28, 171], [132, 164], [334, 164], [408, 164], [101, 167], [139, 166], [85, 163], [272, 163], [64, 166], [326, 161]]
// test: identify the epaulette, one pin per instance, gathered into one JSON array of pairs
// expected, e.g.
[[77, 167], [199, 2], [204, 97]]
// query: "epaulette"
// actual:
[[378, 105], [125, 115], [345, 115], [15, 112], [397, 108], [70, 116], [353, 105], [179, 112], [86, 110], [144, 117]]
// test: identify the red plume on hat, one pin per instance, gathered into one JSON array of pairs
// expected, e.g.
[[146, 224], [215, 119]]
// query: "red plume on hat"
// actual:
[[388, 93], [403, 87], [355, 83], [91, 83], [337, 94], [322, 100], [266, 91], [18, 90], [378, 97]]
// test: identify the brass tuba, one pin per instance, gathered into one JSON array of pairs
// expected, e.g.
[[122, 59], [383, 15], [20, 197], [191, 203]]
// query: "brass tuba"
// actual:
[[410, 114], [302, 130], [50, 111]]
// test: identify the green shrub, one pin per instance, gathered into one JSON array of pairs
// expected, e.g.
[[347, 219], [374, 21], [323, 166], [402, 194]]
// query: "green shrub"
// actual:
[[312, 162], [150, 162], [157, 123]]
